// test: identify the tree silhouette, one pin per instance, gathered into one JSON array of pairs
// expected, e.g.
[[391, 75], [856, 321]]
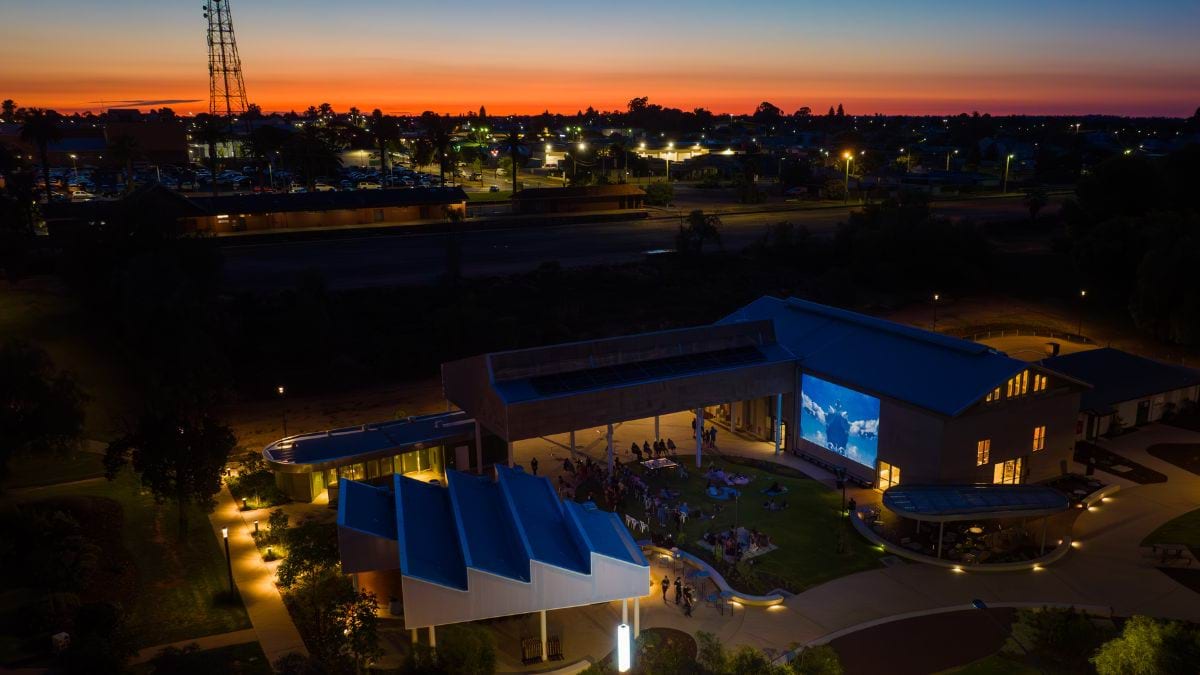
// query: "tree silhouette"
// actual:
[[43, 408], [384, 132], [212, 131], [513, 144], [123, 150], [310, 154], [40, 128]]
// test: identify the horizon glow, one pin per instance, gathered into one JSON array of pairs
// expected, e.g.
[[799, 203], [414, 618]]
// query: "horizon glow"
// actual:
[[923, 57]]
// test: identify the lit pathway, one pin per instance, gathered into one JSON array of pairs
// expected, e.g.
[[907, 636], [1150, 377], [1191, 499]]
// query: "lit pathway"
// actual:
[[236, 637], [255, 581], [1107, 572]]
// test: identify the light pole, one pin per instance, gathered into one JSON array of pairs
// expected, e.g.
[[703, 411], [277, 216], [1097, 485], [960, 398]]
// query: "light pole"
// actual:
[[948, 153], [848, 156], [228, 561], [671, 151], [907, 160], [1007, 160], [283, 391], [74, 168], [1082, 296], [936, 297]]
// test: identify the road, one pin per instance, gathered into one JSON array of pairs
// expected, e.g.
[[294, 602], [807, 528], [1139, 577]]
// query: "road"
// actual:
[[404, 259]]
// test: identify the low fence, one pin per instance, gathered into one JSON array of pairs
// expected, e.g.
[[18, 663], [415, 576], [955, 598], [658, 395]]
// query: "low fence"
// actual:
[[999, 330]]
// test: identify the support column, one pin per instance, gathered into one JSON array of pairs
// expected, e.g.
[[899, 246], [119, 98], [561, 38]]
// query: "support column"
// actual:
[[941, 527], [432, 637], [625, 611], [545, 655], [1044, 522], [609, 437], [778, 422], [510, 455], [637, 617], [415, 639], [733, 411], [572, 444], [657, 435], [699, 437], [478, 448]]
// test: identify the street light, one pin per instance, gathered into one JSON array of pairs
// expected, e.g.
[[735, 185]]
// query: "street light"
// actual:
[[848, 156], [907, 161], [1082, 295], [936, 297], [1007, 160], [74, 169], [283, 391], [948, 153], [228, 560]]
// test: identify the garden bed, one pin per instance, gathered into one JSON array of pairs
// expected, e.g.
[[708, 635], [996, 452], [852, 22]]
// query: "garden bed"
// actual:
[[1110, 462], [1183, 455]]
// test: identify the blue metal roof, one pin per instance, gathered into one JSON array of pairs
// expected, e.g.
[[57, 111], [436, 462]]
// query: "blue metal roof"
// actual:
[[374, 509], [1118, 376], [489, 534], [968, 502], [428, 534], [930, 370], [541, 517], [493, 526], [358, 443]]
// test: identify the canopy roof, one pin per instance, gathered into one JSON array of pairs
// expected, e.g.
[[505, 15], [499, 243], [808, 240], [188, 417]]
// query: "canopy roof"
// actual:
[[329, 449], [945, 503], [546, 390], [1117, 376]]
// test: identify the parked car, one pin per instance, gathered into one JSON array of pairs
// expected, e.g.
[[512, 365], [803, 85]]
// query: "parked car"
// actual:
[[368, 185], [297, 189], [81, 196], [323, 187], [494, 188]]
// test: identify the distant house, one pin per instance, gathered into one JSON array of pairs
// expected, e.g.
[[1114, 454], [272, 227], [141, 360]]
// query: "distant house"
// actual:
[[576, 199], [1132, 388]]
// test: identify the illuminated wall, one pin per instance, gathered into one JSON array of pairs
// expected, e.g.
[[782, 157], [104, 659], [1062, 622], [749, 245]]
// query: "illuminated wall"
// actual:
[[840, 420]]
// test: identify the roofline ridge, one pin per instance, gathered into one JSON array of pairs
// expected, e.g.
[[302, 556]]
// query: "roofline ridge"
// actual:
[[461, 532], [902, 330], [511, 505]]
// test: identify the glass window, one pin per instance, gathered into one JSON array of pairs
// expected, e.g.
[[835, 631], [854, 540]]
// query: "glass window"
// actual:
[[1007, 473], [372, 468], [1039, 438], [385, 466], [889, 475], [983, 451]]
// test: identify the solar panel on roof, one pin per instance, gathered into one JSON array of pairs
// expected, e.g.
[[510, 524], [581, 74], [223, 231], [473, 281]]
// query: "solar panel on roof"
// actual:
[[623, 373]]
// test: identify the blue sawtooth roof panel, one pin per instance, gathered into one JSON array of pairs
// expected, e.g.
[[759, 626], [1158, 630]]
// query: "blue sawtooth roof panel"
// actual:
[[541, 516], [606, 533], [366, 508], [489, 533], [429, 542]]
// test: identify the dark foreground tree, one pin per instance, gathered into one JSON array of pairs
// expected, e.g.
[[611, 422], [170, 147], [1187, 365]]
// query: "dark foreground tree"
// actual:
[[41, 409], [178, 457], [40, 129]]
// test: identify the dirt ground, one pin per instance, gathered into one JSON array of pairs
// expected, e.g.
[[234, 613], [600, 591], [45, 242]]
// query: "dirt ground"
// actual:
[[926, 644]]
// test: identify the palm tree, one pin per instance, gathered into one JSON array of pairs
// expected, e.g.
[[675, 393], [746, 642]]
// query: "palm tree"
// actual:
[[123, 150], [383, 130], [311, 155], [41, 129], [212, 132], [439, 138], [514, 144]]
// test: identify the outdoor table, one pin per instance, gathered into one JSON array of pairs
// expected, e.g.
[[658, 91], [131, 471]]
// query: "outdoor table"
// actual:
[[660, 463]]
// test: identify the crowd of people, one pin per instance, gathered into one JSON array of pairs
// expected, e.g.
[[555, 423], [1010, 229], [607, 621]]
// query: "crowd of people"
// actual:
[[733, 545], [685, 594], [645, 451]]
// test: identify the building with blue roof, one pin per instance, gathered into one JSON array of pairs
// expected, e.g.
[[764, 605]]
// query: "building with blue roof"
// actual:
[[1133, 389], [477, 547]]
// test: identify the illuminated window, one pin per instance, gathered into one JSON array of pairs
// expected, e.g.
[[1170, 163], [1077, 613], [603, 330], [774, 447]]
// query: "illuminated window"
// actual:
[[994, 395], [889, 475], [983, 450], [1018, 385], [1039, 382], [1007, 473], [1039, 438]]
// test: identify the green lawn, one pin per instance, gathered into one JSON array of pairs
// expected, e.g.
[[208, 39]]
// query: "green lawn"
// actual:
[[1182, 530], [28, 471], [243, 659], [808, 532], [51, 319], [996, 664], [179, 585]]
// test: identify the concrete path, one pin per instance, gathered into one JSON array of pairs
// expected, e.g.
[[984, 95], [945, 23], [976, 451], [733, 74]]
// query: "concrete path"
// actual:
[[236, 637], [255, 581], [1108, 570]]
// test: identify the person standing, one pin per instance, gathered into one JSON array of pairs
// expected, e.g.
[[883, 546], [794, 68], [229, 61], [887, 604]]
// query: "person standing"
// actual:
[[712, 438], [678, 590], [666, 585], [533, 465]]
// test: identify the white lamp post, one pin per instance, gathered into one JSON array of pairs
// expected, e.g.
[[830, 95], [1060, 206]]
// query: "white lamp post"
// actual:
[[624, 648]]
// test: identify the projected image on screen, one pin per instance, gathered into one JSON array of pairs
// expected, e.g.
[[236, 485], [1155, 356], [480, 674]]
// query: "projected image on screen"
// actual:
[[840, 420]]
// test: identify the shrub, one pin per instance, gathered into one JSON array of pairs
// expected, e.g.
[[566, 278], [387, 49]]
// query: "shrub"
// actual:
[[660, 194], [819, 660], [1150, 647], [1062, 637]]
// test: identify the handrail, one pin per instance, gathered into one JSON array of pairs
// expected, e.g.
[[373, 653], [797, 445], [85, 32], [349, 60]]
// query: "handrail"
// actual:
[[734, 595]]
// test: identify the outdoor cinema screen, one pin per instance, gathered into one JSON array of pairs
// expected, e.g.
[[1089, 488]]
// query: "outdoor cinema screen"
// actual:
[[840, 420]]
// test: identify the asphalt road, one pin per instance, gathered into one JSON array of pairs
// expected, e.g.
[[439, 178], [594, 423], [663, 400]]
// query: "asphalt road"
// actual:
[[402, 259]]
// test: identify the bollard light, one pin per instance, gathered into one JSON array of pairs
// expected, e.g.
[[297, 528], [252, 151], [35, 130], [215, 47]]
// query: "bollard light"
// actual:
[[623, 655], [225, 532], [256, 526]]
